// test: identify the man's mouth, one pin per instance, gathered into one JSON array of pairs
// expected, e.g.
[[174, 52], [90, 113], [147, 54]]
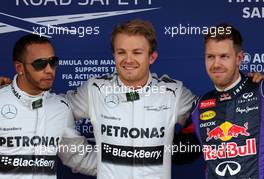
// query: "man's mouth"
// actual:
[[126, 67], [48, 79], [218, 72]]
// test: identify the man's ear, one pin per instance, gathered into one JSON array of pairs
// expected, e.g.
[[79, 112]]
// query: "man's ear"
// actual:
[[19, 67], [153, 57], [240, 57]]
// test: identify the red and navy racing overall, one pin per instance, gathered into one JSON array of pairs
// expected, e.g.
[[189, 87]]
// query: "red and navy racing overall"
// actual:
[[230, 126]]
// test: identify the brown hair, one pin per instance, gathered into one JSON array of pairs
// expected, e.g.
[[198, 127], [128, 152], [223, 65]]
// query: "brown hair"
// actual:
[[225, 31], [136, 27]]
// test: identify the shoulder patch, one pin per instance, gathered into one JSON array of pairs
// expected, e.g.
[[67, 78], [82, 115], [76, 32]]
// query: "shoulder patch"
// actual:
[[167, 79]]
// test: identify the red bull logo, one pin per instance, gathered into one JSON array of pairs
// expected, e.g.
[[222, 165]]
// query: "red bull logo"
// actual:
[[229, 150], [225, 96], [215, 133], [235, 130], [227, 131]]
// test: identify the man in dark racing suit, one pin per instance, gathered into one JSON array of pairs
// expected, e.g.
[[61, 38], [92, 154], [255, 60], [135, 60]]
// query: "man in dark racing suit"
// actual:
[[229, 120]]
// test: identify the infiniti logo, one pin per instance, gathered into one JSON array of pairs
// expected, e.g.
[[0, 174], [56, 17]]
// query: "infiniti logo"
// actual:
[[247, 95], [9, 111], [231, 166]]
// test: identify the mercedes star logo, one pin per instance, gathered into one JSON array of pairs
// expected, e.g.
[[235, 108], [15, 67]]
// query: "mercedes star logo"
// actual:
[[9, 111], [111, 100], [231, 166]]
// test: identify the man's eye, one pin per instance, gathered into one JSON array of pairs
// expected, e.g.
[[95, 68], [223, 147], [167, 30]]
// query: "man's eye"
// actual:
[[120, 53], [209, 56], [224, 56]]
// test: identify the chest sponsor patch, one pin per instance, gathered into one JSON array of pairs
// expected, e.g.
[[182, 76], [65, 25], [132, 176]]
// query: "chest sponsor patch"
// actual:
[[210, 103], [130, 155], [207, 115], [28, 164]]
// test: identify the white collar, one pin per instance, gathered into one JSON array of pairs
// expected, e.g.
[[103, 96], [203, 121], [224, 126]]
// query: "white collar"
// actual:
[[25, 98], [231, 86]]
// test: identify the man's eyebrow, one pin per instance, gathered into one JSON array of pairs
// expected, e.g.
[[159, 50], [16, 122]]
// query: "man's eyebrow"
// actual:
[[119, 49]]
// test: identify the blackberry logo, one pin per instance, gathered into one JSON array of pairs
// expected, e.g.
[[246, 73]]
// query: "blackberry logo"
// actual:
[[28, 161], [107, 148], [6, 160], [28, 164], [132, 155]]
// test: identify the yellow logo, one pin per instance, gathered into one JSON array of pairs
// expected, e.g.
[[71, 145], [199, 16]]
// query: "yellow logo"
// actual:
[[207, 115], [225, 127]]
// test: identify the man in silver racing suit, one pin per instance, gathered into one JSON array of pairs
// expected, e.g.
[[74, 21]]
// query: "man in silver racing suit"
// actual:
[[36, 124], [133, 113]]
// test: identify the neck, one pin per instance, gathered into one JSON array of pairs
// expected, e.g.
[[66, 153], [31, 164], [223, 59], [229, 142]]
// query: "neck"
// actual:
[[24, 86], [136, 84]]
